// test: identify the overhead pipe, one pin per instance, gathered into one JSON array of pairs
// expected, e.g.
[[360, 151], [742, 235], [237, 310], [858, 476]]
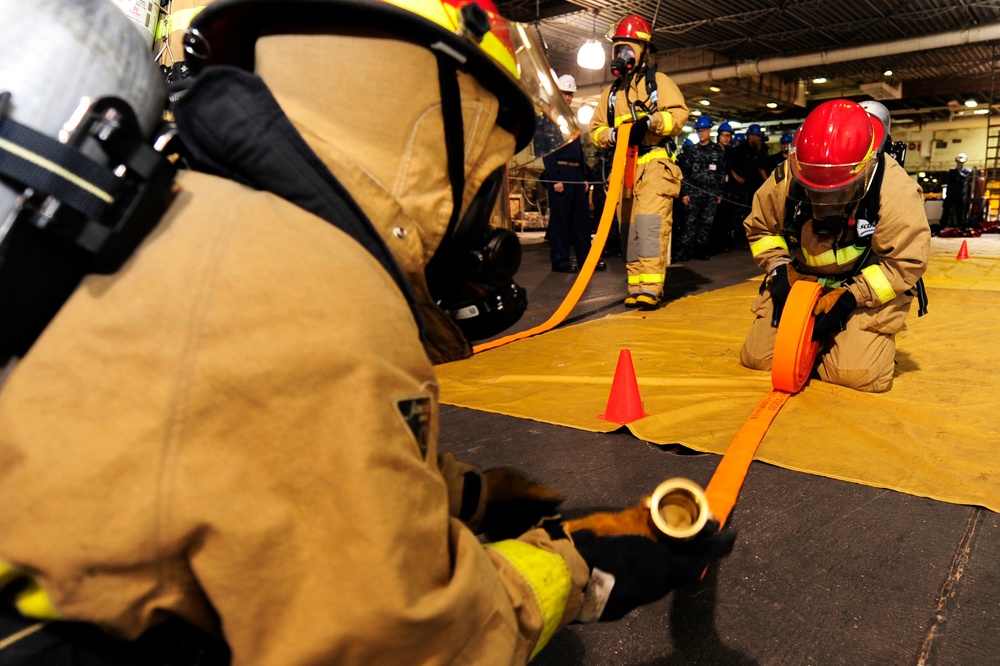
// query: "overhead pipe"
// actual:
[[752, 68]]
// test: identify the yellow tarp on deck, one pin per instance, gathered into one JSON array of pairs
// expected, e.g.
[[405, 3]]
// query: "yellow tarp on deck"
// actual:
[[935, 434]]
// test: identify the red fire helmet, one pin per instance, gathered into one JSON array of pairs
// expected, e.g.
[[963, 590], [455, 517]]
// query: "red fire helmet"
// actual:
[[833, 154], [632, 27]]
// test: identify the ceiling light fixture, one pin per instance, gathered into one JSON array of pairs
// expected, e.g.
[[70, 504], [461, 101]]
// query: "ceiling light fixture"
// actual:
[[715, 88], [705, 102], [981, 112], [971, 103], [695, 112], [887, 72], [584, 114], [819, 79], [591, 54], [771, 105]]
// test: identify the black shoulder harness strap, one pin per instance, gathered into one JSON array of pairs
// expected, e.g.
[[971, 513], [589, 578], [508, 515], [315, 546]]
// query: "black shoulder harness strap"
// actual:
[[224, 106], [651, 93]]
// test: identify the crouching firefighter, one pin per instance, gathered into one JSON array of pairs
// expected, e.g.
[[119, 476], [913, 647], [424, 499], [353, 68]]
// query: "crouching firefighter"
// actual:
[[225, 415], [642, 95], [843, 212]]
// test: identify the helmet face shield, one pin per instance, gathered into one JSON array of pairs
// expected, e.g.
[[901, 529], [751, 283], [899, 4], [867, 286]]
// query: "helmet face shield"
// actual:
[[833, 206], [831, 185], [833, 160]]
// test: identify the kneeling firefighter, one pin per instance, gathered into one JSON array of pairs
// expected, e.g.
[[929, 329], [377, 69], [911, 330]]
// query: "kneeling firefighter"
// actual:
[[841, 211], [223, 409]]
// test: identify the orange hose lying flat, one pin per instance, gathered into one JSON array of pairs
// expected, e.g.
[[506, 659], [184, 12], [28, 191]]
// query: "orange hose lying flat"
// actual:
[[587, 270], [794, 357], [724, 487]]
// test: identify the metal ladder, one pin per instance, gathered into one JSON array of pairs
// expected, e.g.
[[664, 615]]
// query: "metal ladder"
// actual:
[[991, 204]]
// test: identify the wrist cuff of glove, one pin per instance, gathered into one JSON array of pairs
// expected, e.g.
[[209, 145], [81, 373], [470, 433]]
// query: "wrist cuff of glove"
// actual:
[[596, 595], [775, 264]]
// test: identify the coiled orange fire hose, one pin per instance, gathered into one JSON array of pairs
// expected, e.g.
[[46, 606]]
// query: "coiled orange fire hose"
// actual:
[[587, 270]]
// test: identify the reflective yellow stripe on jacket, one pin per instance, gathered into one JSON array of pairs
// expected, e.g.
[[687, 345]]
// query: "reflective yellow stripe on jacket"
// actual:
[[549, 577], [32, 600], [879, 282], [841, 257], [654, 154], [768, 243]]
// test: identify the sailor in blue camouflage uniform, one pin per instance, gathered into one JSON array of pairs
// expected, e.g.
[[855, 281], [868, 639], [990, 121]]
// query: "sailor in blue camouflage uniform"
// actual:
[[704, 167]]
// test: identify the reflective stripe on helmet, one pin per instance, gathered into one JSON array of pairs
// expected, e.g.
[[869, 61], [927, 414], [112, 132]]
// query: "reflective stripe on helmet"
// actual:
[[766, 243], [879, 282], [548, 576], [496, 43]]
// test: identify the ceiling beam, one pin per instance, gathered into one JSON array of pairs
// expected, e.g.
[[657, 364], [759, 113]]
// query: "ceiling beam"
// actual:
[[783, 63]]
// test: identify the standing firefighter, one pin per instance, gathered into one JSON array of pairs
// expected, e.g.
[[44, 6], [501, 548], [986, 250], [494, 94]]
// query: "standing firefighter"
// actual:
[[842, 212], [653, 102], [236, 428], [704, 169]]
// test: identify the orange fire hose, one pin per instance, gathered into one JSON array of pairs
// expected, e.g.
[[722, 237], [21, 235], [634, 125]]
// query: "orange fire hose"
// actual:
[[794, 357], [587, 270], [793, 361]]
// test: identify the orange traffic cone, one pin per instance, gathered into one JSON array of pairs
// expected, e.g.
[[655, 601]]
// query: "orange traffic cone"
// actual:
[[624, 403], [963, 252]]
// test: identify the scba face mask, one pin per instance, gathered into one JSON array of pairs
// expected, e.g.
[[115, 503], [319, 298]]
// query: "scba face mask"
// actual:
[[623, 59], [471, 276]]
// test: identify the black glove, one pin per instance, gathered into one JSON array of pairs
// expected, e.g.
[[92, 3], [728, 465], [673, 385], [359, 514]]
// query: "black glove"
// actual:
[[832, 311], [780, 288], [781, 285], [515, 504], [638, 133], [646, 570]]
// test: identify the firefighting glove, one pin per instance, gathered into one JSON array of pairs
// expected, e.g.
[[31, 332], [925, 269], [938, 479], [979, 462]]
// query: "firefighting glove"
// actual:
[[515, 504], [780, 288], [636, 521], [638, 133], [639, 571], [782, 279], [832, 311]]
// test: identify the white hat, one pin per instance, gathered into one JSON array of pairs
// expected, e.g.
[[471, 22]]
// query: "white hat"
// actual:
[[961, 158], [567, 83]]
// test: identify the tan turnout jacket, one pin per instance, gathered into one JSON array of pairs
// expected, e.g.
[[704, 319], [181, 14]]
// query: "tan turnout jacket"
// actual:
[[232, 430]]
